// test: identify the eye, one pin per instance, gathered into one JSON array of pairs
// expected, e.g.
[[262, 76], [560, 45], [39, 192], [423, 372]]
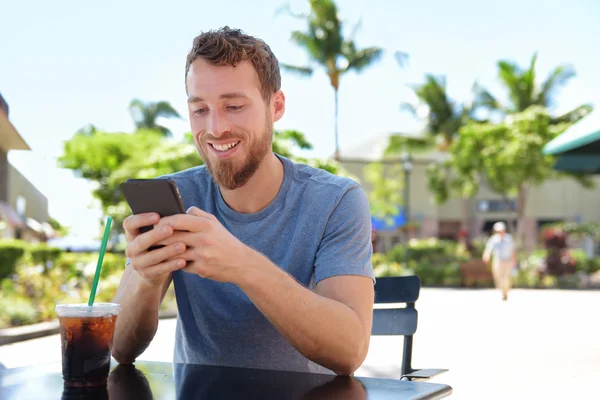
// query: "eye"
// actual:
[[234, 108], [200, 111]]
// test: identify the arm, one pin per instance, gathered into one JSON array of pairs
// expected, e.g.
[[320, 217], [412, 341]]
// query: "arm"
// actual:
[[142, 287], [330, 326], [487, 252]]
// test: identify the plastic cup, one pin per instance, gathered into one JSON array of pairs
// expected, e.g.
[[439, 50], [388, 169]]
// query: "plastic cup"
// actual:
[[86, 342]]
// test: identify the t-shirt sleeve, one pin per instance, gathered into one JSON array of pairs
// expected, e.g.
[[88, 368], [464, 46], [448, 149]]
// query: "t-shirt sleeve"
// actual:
[[346, 247]]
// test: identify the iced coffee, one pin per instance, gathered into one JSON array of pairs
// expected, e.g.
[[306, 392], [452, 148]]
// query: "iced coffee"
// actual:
[[86, 341]]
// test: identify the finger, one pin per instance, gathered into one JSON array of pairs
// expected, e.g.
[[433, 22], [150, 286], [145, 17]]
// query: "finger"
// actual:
[[190, 254], [163, 268], [157, 256], [179, 236], [142, 242], [133, 223], [200, 213], [185, 222]]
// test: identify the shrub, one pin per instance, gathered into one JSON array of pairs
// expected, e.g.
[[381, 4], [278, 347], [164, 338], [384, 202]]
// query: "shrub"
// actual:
[[16, 311], [11, 252], [43, 254]]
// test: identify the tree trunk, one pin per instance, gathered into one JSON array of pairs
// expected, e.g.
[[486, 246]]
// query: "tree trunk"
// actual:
[[337, 143], [465, 216], [521, 197]]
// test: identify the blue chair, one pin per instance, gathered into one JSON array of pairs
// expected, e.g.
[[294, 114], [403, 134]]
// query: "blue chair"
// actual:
[[401, 320]]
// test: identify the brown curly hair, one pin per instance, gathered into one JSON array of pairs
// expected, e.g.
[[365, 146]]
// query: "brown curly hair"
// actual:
[[229, 47]]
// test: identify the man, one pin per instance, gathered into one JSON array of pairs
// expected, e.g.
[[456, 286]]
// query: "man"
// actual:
[[271, 264], [504, 257]]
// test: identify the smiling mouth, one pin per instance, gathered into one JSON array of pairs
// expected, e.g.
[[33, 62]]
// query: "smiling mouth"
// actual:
[[224, 147]]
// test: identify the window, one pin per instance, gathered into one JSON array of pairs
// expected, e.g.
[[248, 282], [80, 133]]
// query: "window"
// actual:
[[21, 205], [485, 206]]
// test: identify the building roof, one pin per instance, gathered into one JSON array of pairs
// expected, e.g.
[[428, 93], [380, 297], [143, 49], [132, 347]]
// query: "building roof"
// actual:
[[10, 139], [372, 149]]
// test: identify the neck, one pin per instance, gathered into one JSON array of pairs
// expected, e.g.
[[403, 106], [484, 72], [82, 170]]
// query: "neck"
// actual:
[[260, 190]]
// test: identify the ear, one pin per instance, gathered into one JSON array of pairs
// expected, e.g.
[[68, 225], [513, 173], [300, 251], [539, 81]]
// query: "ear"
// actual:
[[277, 105]]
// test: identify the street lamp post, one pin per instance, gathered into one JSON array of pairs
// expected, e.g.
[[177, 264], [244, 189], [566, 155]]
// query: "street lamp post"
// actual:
[[407, 168]]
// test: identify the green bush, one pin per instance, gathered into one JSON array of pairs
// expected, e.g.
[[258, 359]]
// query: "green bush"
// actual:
[[583, 263], [113, 263], [16, 311], [11, 252], [42, 254]]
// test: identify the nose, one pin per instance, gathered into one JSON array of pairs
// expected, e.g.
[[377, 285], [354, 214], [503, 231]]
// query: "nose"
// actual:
[[217, 124]]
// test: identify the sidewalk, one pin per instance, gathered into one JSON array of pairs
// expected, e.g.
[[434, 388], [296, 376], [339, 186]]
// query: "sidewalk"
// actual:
[[538, 344]]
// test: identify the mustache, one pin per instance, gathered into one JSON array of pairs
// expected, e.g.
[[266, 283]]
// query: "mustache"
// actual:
[[225, 136]]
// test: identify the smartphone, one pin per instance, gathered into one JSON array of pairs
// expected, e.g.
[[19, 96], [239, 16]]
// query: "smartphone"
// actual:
[[153, 195]]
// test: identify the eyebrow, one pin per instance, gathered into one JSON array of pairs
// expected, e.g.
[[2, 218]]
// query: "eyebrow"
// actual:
[[232, 95]]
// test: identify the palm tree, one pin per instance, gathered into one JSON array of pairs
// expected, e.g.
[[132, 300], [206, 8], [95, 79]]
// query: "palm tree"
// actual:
[[145, 115], [327, 47], [443, 119], [523, 91]]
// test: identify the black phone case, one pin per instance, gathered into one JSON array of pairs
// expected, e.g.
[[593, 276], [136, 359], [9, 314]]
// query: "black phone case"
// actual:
[[153, 195]]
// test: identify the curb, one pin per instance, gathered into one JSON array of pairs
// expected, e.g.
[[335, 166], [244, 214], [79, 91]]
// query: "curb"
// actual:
[[34, 331]]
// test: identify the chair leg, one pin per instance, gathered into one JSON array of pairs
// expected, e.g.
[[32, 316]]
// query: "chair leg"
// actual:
[[407, 356]]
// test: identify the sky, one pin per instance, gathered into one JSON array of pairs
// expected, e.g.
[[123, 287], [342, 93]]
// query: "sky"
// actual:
[[65, 64]]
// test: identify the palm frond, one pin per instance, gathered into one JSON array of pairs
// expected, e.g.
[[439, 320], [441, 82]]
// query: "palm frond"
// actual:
[[483, 98], [363, 58], [310, 43], [558, 77], [304, 71], [410, 108], [574, 115], [401, 58], [164, 109]]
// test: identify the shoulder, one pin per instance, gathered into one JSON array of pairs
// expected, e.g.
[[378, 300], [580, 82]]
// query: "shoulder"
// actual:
[[323, 184]]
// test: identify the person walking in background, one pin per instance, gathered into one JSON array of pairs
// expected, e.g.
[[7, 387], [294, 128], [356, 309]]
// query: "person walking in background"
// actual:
[[504, 257]]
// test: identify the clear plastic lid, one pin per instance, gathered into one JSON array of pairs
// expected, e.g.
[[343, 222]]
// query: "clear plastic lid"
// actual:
[[83, 310]]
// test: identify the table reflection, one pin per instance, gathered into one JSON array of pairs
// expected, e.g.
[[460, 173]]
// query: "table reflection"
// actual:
[[124, 382], [209, 382]]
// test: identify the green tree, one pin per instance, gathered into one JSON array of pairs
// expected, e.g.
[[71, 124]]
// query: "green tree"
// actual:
[[146, 114], [523, 91], [60, 229], [328, 48], [386, 190], [506, 157]]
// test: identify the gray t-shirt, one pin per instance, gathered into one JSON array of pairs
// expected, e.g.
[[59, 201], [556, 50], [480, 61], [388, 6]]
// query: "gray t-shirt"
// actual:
[[318, 226]]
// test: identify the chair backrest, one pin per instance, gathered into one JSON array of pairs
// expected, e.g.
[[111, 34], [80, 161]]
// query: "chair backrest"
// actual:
[[397, 320], [401, 320]]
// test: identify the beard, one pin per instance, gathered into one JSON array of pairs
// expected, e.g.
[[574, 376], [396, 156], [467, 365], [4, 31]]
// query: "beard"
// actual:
[[225, 172]]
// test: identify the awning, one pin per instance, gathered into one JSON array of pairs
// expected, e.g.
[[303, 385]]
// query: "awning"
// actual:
[[10, 216], [587, 164], [578, 148], [573, 142]]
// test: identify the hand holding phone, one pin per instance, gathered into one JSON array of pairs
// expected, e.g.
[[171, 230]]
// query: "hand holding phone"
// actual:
[[153, 195], [150, 200]]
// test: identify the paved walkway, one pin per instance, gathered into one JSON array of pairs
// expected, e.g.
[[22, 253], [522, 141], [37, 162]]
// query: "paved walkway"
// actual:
[[539, 344]]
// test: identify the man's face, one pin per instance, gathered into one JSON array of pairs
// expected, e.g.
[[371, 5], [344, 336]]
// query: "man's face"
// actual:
[[231, 124]]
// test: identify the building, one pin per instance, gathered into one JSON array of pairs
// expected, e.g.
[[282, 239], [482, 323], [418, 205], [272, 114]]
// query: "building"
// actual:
[[553, 201], [23, 208]]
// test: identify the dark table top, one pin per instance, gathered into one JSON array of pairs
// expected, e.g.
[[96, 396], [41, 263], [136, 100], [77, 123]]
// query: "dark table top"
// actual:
[[161, 381]]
